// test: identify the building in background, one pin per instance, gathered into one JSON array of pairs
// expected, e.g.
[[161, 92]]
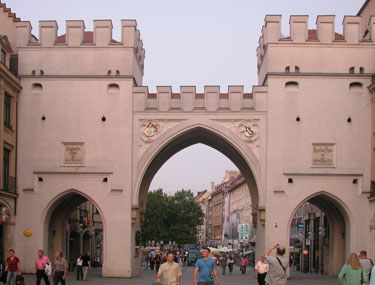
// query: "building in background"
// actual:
[[203, 199], [241, 231], [85, 233], [10, 86], [309, 240], [230, 204]]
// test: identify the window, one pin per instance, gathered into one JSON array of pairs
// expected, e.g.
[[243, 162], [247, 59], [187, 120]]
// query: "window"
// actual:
[[3, 57], [6, 155], [7, 110]]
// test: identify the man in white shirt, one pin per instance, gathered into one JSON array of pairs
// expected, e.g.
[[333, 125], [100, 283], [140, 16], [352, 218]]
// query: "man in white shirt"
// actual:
[[261, 270], [366, 263]]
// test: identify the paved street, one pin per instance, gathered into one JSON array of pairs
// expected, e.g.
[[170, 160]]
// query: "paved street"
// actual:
[[148, 277]]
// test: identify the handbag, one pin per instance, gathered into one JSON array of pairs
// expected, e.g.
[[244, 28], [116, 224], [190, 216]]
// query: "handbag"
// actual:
[[20, 280], [48, 269]]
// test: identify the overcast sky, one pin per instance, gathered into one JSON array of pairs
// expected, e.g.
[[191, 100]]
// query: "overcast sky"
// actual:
[[190, 42]]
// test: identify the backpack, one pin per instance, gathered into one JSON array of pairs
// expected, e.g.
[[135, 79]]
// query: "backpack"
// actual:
[[372, 266]]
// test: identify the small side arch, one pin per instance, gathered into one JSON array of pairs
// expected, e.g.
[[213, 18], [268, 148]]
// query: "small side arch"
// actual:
[[339, 219], [55, 215]]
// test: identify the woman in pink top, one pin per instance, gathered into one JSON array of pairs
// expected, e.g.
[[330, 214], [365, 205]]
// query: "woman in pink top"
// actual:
[[243, 263]]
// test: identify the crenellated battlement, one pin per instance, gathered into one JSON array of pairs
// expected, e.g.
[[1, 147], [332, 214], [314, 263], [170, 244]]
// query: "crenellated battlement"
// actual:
[[188, 100], [324, 33], [315, 51], [77, 36]]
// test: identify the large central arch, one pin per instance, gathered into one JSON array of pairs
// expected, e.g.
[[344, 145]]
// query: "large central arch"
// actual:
[[192, 132]]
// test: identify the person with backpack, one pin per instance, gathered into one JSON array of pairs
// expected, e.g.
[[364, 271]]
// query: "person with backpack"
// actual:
[[277, 266], [206, 268], [352, 272], [366, 263], [372, 276]]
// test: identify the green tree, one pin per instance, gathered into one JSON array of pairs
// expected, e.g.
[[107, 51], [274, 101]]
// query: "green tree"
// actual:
[[156, 216], [174, 218]]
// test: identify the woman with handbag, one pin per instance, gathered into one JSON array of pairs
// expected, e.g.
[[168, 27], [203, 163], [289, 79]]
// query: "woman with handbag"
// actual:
[[352, 272]]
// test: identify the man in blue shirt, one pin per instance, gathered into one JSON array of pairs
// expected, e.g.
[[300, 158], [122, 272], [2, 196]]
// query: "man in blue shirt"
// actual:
[[206, 268]]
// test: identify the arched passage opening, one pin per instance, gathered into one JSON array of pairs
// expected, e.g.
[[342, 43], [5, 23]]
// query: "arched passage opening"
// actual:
[[238, 154], [74, 225], [6, 229], [319, 235]]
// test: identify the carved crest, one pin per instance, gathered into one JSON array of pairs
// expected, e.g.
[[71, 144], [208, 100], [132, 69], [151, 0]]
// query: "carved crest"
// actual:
[[149, 130], [249, 130]]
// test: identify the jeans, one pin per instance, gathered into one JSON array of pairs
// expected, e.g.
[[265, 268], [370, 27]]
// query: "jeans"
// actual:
[[243, 269], [12, 275], [41, 274], [79, 272], [58, 277], [206, 283]]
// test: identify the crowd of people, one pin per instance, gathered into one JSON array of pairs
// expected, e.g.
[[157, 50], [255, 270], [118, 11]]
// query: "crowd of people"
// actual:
[[271, 270], [44, 268]]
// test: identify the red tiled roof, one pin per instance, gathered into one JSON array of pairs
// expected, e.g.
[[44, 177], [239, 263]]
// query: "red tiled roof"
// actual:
[[312, 35], [9, 11], [200, 95], [89, 38]]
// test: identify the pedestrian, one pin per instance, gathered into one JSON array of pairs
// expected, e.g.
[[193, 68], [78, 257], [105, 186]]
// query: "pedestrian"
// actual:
[[152, 262], [352, 272], [157, 262], [277, 266], [12, 267], [40, 267], [261, 269], [60, 268], [79, 268], [372, 276], [244, 262], [147, 258], [223, 264], [170, 271], [206, 268], [217, 261], [230, 264], [86, 265], [366, 263]]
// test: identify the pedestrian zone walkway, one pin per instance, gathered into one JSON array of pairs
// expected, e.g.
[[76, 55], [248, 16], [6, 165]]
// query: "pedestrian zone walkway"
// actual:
[[149, 277]]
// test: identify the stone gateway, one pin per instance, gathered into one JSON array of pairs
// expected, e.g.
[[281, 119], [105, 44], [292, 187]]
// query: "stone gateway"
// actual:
[[88, 130]]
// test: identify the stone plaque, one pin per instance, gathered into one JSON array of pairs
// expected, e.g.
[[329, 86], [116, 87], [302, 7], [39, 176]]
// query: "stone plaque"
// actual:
[[74, 153], [324, 155]]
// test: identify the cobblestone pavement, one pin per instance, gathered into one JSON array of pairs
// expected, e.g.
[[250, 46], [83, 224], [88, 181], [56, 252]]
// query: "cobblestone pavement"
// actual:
[[148, 277]]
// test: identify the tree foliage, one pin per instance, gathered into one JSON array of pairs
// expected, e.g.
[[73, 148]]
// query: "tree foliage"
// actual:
[[175, 218]]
